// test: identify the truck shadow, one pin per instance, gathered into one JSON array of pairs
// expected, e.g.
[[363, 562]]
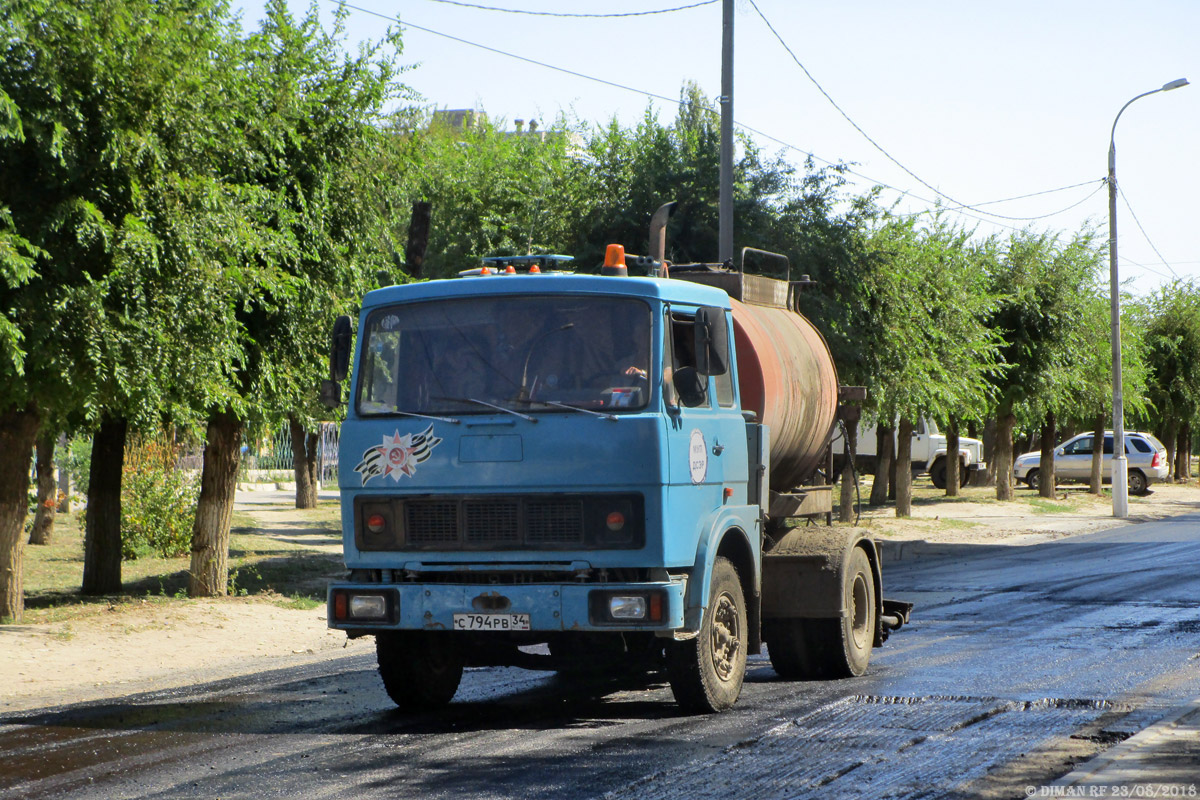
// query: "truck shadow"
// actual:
[[351, 701]]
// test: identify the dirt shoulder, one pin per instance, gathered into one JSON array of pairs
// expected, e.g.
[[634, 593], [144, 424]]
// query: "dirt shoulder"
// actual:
[[161, 642], [976, 517]]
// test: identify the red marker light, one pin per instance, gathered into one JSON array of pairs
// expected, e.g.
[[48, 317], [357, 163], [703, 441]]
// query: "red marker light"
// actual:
[[485, 271], [533, 270], [615, 521], [511, 270], [376, 523]]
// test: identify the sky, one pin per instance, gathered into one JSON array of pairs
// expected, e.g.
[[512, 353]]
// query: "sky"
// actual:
[[978, 101]]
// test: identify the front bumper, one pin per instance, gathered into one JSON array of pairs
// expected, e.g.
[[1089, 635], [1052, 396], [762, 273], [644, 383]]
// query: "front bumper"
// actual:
[[551, 607]]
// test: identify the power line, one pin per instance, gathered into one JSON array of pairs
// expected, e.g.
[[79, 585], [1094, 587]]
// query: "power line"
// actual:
[[677, 102], [1145, 235], [1147, 268], [527, 60], [1090, 195], [564, 14], [865, 135], [954, 209]]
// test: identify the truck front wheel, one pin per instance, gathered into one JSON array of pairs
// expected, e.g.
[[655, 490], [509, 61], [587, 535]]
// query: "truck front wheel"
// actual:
[[938, 473], [706, 672], [420, 670]]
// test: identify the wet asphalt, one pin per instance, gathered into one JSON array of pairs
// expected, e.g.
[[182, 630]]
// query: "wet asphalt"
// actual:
[[1012, 651]]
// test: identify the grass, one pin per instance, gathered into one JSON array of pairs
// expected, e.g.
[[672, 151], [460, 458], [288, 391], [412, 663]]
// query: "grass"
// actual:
[[958, 524], [1043, 506], [287, 566]]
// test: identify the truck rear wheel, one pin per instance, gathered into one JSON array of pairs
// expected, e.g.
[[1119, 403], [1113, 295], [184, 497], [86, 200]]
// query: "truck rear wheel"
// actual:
[[803, 649], [421, 671], [706, 672]]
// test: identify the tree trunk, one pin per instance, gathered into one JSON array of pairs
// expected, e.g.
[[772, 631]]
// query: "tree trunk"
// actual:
[[1004, 452], [1048, 483], [18, 430], [418, 237], [1096, 478], [1167, 433], [47, 490], [102, 537], [883, 465], [214, 511], [953, 465], [849, 474], [304, 463], [989, 451], [1185, 463], [903, 467]]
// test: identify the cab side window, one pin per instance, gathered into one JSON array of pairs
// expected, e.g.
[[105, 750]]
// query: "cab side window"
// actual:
[[682, 384]]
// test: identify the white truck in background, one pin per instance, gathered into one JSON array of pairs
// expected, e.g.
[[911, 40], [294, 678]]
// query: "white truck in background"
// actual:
[[928, 451]]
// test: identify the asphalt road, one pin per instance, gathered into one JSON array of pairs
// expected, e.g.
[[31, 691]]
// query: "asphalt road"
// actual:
[[1019, 661]]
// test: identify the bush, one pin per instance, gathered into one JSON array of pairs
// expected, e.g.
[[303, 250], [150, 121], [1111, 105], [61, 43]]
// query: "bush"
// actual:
[[158, 501], [79, 463]]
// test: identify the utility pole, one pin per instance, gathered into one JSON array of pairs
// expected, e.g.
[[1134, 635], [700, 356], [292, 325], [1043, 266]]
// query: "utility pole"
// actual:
[[725, 224]]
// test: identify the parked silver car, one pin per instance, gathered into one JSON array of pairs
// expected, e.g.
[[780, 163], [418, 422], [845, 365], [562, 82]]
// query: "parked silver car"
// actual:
[[1147, 458]]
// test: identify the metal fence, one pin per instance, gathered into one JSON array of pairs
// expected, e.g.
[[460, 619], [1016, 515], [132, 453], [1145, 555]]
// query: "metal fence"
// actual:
[[274, 452]]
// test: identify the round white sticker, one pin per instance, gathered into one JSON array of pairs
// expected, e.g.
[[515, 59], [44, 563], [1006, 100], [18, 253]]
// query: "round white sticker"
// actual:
[[698, 457]]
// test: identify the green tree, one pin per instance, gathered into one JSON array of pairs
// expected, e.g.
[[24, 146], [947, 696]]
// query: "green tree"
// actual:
[[101, 110], [1043, 285], [298, 110], [929, 351], [1170, 320]]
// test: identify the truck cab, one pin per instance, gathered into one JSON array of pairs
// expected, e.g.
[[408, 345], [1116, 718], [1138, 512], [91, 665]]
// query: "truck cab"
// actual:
[[535, 458]]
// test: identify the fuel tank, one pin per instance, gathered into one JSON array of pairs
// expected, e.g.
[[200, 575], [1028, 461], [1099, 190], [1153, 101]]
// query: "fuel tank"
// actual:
[[787, 377]]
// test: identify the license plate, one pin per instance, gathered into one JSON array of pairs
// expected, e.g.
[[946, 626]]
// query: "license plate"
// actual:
[[491, 622]]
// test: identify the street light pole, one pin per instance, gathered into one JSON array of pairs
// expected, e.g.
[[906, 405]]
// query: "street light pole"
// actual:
[[1120, 465]]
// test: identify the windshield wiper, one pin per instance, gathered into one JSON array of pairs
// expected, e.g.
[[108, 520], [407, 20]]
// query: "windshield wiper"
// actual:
[[488, 405], [555, 404], [451, 420]]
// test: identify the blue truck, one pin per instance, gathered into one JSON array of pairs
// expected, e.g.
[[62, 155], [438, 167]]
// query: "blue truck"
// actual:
[[596, 473]]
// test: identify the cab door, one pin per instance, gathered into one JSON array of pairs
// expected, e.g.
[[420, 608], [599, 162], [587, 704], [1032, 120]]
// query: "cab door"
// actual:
[[706, 435]]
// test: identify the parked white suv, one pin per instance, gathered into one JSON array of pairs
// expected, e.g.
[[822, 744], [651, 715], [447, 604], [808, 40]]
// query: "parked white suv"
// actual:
[[1146, 456]]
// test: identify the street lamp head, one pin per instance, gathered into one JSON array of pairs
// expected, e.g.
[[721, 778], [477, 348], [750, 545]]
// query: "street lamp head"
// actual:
[[1175, 84]]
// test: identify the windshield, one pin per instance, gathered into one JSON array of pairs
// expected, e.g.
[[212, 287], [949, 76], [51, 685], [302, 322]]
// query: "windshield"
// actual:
[[463, 356]]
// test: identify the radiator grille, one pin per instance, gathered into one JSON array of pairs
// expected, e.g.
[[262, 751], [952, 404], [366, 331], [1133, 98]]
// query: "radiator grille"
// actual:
[[432, 522], [503, 522], [490, 522], [554, 522]]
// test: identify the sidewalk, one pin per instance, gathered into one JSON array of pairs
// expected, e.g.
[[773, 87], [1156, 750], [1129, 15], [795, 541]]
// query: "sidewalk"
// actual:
[[1162, 760]]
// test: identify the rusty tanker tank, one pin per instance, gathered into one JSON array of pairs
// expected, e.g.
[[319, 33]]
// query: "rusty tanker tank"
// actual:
[[786, 374]]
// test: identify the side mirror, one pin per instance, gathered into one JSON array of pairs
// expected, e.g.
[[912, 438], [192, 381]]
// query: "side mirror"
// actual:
[[712, 341], [692, 389], [339, 362], [331, 394], [339, 350]]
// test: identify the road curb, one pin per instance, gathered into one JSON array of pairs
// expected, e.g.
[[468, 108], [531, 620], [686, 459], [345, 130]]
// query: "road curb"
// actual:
[[1165, 753], [909, 550]]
